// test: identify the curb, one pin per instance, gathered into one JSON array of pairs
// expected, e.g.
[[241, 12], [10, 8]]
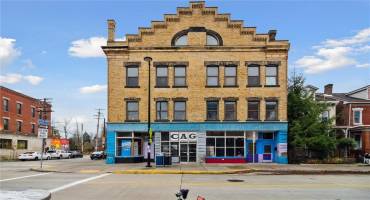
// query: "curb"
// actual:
[[245, 171], [48, 170]]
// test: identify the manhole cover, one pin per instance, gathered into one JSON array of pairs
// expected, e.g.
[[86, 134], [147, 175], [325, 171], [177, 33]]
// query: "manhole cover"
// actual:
[[235, 180]]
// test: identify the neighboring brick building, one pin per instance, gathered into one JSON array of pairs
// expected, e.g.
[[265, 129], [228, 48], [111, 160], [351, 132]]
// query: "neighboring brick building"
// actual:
[[352, 114], [215, 86], [19, 123]]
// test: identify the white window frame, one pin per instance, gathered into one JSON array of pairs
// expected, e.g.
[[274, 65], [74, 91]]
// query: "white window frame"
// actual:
[[353, 115]]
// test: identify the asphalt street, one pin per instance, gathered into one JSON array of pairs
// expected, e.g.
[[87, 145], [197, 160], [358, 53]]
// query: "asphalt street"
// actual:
[[95, 184]]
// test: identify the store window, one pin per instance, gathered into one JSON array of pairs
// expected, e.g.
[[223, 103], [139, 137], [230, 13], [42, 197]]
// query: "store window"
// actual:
[[212, 110], [225, 144], [230, 75], [271, 110], [132, 76], [129, 144], [19, 108], [5, 143], [212, 75], [6, 123], [253, 110], [253, 75], [162, 110], [180, 76], [132, 111], [230, 110], [5, 105], [271, 75], [162, 76], [179, 110], [22, 144]]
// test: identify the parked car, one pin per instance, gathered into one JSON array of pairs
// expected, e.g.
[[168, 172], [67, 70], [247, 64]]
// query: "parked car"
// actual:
[[98, 155], [59, 154], [32, 155], [46, 156], [76, 154]]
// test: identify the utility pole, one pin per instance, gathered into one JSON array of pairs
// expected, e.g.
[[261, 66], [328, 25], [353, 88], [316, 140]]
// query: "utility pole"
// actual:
[[97, 128], [43, 124], [82, 136]]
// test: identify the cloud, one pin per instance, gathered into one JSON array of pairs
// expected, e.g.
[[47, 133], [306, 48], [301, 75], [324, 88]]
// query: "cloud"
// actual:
[[13, 78], [8, 52], [86, 48], [363, 65], [28, 64], [337, 53], [93, 89]]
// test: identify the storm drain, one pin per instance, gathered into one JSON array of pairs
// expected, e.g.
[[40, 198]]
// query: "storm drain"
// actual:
[[235, 180]]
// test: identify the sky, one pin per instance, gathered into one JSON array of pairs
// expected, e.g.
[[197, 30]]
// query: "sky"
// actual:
[[52, 48]]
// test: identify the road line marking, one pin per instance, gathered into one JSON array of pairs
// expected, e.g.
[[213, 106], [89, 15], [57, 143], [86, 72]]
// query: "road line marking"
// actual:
[[76, 183], [10, 179]]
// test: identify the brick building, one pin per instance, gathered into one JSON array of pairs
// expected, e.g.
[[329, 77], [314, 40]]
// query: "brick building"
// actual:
[[218, 90], [19, 123], [352, 114]]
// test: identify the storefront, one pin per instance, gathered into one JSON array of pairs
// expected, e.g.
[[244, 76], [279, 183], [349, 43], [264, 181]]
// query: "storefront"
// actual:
[[228, 142]]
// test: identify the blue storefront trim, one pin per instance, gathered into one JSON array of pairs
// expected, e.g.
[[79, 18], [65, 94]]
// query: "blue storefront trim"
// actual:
[[279, 127]]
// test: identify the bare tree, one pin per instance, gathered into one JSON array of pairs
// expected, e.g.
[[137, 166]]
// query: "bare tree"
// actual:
[[66, 127]]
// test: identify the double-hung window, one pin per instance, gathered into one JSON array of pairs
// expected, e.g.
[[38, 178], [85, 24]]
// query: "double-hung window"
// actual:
[[162, 110], [271, 110], [19, 108], [271, 75], [230, 75], [180, 76], [6, 123], [253, 110], [357, 116], [212, 75], [33, 112], [253, 75], [230, 110], [162, 76], [132, 111], [19, 126], [5, 105], [179, 110], [132, 76], [212, 110]]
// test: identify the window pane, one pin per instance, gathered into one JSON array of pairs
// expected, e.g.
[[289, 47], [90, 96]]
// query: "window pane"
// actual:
[[179, 115], [179, 106], [253, 80], [267, 149], [132, 72], [271, 81], [230, 71], [271, 71], [132, 81], [230, 142], [230, 81], [212, 71], [212, 81], [133, 115], [220, 152], [220, 142], [163, 81], [271, 110], [165, 136], [163, 105], [268, 136], [210, 142], [212, 105], [253, 71], [180, 81], [239, 142], [183, 40], [132, 106], [179, 71], [211, 40], [215, 133], [230, 152], [230, 106], [239, 152], [161, 71]]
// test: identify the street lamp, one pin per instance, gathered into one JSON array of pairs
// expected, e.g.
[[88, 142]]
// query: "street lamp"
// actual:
[[149, 60]]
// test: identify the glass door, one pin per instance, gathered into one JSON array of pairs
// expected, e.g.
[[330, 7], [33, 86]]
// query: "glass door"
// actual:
[[192, 152], [184, 152]]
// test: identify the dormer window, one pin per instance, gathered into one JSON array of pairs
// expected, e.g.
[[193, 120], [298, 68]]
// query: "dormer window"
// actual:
[[182, 40], [212, 40]]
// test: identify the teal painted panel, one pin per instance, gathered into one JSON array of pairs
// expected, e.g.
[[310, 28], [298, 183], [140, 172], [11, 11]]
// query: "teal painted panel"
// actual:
[[111, 146]]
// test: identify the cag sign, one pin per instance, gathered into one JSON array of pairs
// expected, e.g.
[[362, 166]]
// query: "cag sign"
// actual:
[[183, 136]]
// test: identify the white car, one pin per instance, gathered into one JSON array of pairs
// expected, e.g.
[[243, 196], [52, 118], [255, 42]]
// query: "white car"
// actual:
[[46, 156], [32, 155], [59, 154]]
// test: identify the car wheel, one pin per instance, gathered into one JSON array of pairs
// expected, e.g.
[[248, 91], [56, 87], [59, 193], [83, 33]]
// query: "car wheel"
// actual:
[[60, 157], [69, 157], [48, 158], [36, 158]]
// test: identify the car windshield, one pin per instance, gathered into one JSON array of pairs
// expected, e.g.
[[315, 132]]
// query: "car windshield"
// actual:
[[51, 151], [29, 153]]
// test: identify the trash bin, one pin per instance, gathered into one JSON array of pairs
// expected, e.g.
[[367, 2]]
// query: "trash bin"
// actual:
[[159, 159], [167, 159]]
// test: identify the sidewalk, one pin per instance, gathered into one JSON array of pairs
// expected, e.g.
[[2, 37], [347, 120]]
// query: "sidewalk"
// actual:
[[202, 168]]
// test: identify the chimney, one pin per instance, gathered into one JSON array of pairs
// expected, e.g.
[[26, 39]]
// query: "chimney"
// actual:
[[328, 89], [111, 30]]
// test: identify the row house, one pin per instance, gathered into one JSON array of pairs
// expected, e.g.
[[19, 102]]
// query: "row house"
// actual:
[[218, 90]]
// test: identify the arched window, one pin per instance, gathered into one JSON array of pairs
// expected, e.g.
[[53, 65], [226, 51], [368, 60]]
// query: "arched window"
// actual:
[[212, 40], [182, 40]]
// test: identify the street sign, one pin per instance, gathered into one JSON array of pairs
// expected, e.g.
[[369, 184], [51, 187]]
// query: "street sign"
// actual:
[[43, 122], [43, 133]]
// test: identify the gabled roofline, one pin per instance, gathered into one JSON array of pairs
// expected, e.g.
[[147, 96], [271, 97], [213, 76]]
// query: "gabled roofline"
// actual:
[[358, 90]]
